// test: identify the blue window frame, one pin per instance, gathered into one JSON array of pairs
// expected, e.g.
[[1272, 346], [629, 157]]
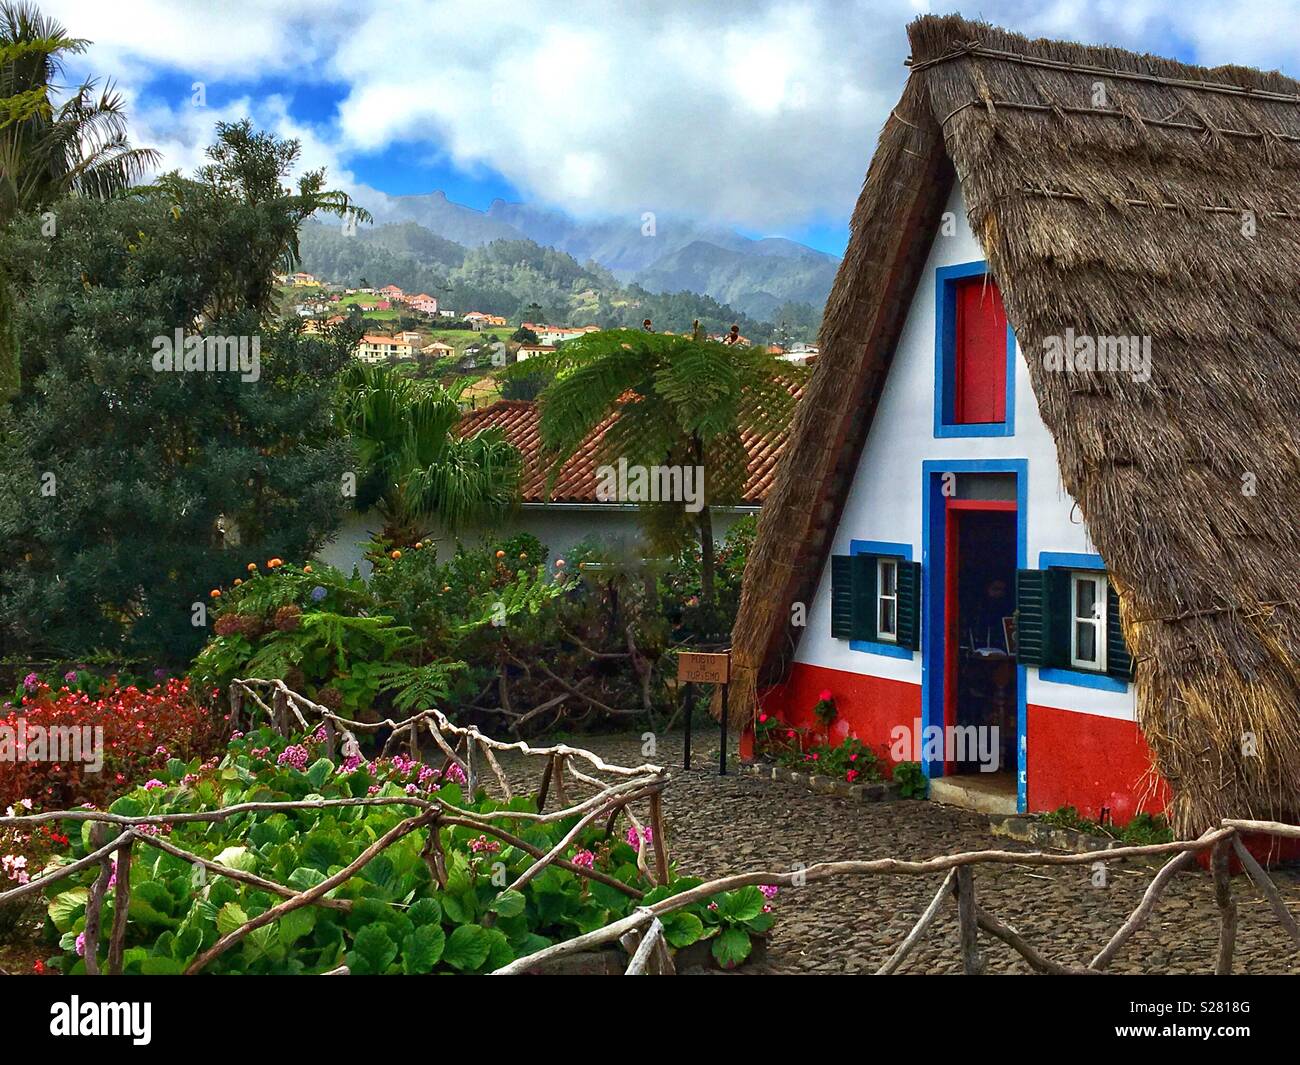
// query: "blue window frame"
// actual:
[[1079, 678], [881, 547], [945, 353]]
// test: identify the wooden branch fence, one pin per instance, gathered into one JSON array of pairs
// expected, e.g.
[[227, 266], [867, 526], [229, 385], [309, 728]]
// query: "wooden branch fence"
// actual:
[[641, 933], [959, 885], [462, 747]]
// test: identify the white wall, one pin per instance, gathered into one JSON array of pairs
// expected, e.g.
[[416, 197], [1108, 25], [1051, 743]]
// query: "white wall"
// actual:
[[885, 500], [560, 527]]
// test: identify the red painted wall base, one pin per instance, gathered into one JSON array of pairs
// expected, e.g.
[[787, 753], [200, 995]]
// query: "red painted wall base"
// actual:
[[1081, 760]]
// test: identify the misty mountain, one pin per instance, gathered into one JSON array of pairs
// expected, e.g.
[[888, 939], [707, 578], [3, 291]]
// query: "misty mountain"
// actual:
[[521, 278], [660, 254]]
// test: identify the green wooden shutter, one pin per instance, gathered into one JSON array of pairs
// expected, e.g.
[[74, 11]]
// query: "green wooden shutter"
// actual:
[[1119, 660], [909, 605], [842, 597], [864, 597], [1042, 617]]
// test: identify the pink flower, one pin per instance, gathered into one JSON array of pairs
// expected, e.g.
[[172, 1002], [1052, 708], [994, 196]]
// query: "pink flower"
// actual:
[[633, 841], [585, 859], [81, 944], [153, 784], [769, 891], [851, 775], [825, 696]]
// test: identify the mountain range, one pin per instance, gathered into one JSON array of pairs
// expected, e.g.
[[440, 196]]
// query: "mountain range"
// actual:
[[755, 276]]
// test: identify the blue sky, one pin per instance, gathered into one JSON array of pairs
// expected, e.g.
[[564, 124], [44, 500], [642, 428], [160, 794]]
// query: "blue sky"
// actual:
[[756, 114]]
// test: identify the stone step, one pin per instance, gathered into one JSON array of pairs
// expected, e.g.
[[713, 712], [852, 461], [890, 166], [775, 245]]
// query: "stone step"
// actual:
[[992, 793]]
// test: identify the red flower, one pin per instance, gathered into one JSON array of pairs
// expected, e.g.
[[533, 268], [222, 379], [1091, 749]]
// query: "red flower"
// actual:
[[825, 696]]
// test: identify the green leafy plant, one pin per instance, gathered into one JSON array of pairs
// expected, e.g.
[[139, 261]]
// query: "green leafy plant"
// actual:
[[911, 781], [397, 920]]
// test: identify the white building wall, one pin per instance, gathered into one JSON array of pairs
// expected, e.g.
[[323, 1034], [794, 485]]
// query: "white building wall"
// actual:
[[885, 501], [560, 527]]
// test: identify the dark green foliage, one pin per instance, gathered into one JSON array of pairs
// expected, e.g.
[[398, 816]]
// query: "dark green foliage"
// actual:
[[128, 492]]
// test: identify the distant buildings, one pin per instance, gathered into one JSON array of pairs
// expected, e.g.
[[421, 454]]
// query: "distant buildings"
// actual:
[[423, 303], [527, 351], [557, 334], [379, 348]]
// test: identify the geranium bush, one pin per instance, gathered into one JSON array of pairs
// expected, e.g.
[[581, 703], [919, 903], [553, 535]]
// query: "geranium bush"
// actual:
[[140, 729], [400, 920]]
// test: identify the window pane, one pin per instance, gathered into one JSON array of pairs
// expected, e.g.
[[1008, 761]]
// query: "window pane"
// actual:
[[888, 578], [1086, 641], [1085, 598], [888, 624]]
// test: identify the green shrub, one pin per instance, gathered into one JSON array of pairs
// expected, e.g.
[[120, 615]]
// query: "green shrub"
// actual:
[[400, 920]]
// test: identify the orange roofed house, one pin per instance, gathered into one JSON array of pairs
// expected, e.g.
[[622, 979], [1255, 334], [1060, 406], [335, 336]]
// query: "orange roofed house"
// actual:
[[573, 510]]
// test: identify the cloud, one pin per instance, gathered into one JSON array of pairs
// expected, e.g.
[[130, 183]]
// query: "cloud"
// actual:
[[760, 113]]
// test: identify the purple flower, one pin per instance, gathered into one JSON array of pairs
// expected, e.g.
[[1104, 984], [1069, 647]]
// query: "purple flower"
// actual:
[[318, 593], [295, 756], [151, 785], [30, 681], [81, 944], [70, 676], [769, 890]]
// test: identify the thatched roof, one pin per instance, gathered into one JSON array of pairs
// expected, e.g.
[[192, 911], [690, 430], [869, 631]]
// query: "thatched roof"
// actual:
[[1131, 218]]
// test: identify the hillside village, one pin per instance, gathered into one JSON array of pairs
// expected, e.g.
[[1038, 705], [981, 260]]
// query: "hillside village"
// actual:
[[421, 335]]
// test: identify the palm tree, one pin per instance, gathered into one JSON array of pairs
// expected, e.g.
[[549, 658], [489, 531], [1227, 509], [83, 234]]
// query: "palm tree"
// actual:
[[49, 151], [680, 402], [46, 152], [405, 436]]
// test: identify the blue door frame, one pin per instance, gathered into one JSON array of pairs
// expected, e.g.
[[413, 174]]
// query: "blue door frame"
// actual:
[[934, 550]]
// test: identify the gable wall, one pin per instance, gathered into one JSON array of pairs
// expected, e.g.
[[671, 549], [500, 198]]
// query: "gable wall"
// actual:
[[885, 503]]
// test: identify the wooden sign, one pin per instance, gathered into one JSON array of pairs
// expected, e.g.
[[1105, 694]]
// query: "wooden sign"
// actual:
[[694, 667]]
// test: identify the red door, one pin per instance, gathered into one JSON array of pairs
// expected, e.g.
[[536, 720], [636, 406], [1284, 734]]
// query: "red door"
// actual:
[[980, 392]]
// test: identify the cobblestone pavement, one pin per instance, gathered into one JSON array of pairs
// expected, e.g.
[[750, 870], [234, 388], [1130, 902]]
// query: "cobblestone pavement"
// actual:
[[717, 826]]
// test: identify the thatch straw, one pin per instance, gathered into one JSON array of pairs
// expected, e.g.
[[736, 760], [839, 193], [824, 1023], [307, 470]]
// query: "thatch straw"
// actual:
[[1127, 219]]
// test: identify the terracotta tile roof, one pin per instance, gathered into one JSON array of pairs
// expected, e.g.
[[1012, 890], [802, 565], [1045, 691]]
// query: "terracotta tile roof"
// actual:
[[519, 421]]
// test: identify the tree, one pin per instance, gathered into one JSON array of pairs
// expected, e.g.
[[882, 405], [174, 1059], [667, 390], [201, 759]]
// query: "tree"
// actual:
[[416, 467], [129, 490], [244, 178], [48, 151], [681, 402]]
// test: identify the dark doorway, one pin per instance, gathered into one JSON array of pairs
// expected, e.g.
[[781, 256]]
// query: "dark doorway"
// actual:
[[981, 649]]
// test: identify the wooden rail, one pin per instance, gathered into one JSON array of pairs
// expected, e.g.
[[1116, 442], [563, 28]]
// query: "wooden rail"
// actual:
[[959, 885]]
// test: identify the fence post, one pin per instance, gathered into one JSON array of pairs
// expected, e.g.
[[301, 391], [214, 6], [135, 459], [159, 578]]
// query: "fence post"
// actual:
[[236, 705], [121, 909], [972, 962], [280, 708], [1219, 862]]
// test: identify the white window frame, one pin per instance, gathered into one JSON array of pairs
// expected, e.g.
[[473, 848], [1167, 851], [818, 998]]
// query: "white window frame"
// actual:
[[1099, 619], [882, 598]]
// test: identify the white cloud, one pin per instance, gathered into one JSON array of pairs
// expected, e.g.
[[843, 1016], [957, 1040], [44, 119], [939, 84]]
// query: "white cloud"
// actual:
[[762, 113]]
